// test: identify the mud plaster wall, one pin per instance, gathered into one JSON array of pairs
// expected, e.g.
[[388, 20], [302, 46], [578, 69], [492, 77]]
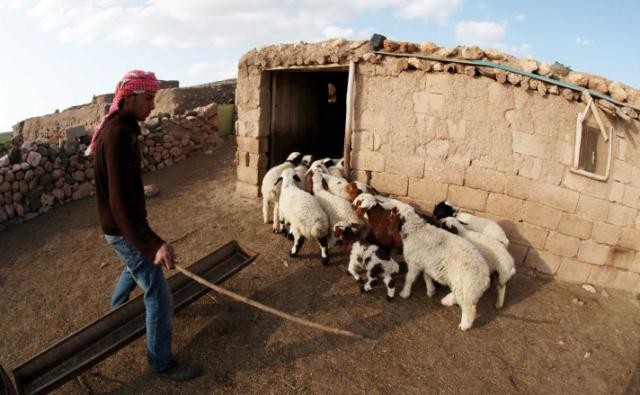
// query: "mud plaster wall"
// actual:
[[503, 153], [492, 148]]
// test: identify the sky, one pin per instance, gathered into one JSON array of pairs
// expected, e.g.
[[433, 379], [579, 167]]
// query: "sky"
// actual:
[[59, 53]]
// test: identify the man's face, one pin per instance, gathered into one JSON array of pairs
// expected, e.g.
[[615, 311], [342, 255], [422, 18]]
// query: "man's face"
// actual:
[[140, 105]]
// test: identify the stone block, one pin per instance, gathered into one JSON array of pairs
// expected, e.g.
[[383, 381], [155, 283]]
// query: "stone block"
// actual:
[[410, 166], [635, 176], [529, 235], [258, 161], [248, 175], [547, 194], [390, 183], [593, 209], [362, 141], [529, 167], [468, 198], [252, 145], [630, 238], [574, 271], [616, 193], [586, 186], [621, 216], [604, 276], [367, 160], [631, 197], [528, 144], [445, 172], [605, 233], [541, 215], [621, 257], [428, 103], [75, 132], [485, 179], [627, 281], [542, 261], [573, 225], [505, 206], [562, 245], [621, 171], [247, 190], [420, 189], [594, 253]]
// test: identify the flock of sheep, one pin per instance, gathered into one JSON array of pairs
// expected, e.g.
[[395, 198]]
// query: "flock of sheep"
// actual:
[[312, 200]]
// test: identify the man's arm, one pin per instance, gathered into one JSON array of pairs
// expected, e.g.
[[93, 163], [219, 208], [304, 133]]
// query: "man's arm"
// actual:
[[126, 199]]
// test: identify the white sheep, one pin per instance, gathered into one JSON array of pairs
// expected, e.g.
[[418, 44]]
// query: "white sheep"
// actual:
[[301, 170], [337, 208], [271, 192], [494, 252], [376, 262], [335, 166], [337, 185], [444, 257], [471, 222], [304, 215]]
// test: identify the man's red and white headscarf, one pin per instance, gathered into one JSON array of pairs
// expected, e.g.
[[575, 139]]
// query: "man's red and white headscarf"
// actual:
[[134, 82]]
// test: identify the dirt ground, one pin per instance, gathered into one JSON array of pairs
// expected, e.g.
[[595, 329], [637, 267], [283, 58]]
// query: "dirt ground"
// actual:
[[57, 275]]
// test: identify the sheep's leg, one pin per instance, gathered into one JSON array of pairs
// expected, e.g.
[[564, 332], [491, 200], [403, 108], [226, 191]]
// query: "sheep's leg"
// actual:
[[449, 300], [468, 315], [331, 241], [298, 240], [412, 273], [501, 288], [265, 210], [352, 269], [371, 282], [324, 250], [391, 286], [276, 214], [431, 289]]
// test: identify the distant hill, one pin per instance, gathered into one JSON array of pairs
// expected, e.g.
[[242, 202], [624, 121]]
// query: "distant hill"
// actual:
[[5, 137]]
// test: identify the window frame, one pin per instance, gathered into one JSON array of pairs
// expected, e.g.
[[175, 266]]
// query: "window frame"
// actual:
[[608, 138]]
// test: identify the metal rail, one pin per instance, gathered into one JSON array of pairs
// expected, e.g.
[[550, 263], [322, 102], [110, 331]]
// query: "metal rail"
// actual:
[[109, 333]]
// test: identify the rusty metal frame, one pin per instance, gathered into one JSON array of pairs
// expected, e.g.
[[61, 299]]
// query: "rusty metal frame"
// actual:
[[114, 330]]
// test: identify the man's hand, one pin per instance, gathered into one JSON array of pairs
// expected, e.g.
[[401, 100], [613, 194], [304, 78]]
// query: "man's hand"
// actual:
[[165, 256]]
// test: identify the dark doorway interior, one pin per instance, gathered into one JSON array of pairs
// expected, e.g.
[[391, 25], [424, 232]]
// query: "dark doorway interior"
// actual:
[[308, 113]]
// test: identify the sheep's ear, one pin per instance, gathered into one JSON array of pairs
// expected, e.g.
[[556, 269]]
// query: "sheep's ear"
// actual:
[[278, 181], [295, 177]]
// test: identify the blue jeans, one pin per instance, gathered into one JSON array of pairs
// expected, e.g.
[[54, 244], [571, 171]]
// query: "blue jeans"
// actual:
[[158, 302]]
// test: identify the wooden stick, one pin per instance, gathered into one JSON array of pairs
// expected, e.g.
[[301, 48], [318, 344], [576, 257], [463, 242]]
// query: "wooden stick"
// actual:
[[265, 308]]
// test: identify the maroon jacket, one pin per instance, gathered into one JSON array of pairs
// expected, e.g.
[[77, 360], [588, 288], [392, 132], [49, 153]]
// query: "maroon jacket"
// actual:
[[119, 188]]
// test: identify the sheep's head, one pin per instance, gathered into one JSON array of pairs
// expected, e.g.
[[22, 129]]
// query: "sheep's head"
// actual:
[[317, 166], [452, 225], [346, 231], [295, 158], [363, 203], [306, 160], [288, 177], [444, 209]]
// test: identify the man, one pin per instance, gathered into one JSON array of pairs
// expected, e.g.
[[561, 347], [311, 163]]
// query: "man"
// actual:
[[123, 217]]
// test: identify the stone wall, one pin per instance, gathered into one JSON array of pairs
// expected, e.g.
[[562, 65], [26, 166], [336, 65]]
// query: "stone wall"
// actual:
[[40, 175], [170, 99], [494, 143]]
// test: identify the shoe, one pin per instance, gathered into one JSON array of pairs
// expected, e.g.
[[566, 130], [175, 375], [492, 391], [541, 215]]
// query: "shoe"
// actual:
[[180, 372]]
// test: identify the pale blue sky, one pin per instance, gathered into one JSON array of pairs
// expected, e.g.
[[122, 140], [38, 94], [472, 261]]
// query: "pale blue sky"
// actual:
[[58, 53]]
